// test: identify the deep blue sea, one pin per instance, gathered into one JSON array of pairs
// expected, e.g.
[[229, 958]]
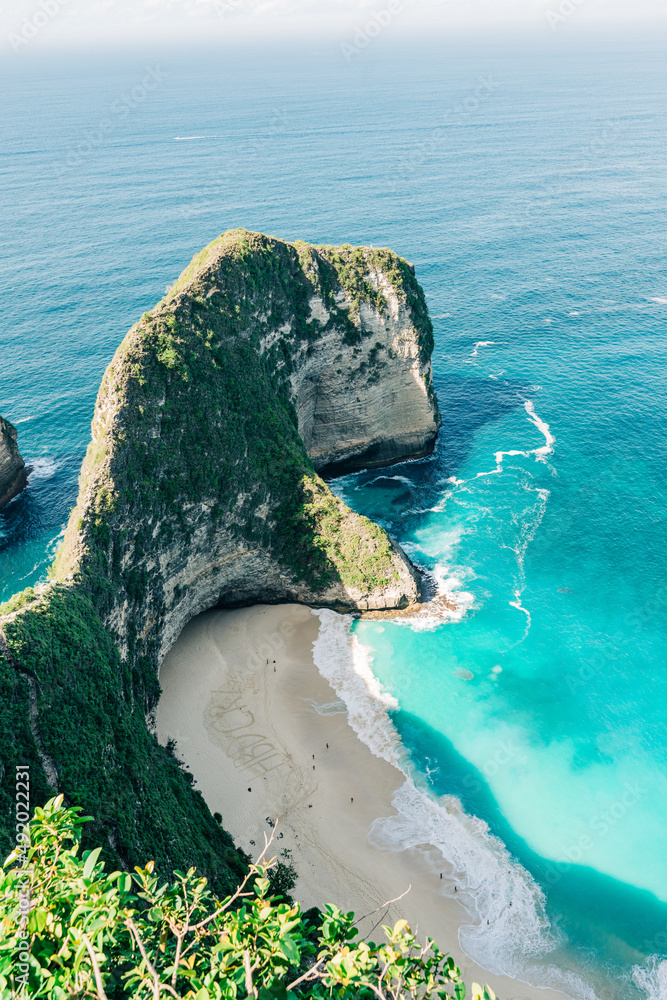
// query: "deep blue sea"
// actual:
[[528, 186]]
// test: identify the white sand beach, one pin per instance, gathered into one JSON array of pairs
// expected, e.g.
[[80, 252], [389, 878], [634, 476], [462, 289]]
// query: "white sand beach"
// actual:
[[241, 695]]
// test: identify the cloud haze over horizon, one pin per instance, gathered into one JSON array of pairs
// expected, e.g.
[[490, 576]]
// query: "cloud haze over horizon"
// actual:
[[64, 23]]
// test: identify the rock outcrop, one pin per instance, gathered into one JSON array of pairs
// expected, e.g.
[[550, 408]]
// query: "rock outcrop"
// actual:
[[198, 489], [13, 475], [264, 363]]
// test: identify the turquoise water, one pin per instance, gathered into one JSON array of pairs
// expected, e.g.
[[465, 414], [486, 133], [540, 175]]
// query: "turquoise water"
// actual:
[[532, 204]]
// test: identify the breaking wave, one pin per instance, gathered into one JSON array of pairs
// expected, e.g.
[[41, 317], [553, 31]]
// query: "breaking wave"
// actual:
[[507, 930]]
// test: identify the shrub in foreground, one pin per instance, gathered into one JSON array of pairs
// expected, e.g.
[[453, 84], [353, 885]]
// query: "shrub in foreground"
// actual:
[[70, 929]]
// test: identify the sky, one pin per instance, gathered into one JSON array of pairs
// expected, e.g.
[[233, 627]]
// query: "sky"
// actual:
[[67, 23]]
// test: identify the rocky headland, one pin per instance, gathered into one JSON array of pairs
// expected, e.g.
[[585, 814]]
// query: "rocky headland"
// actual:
[[13, 475], [266, 364]]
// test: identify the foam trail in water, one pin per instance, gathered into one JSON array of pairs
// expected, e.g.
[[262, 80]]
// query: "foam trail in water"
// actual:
[[486, 876], [543, 427], [539, 453], [516, 603], [531, 520], [652, 978], [481, 343], [441, 504], [661, 302]]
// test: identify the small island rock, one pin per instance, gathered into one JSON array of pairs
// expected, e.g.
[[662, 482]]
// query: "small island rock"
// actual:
[[13, 475]]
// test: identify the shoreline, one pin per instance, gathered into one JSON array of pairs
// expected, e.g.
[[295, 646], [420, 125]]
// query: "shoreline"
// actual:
[[252, 716]]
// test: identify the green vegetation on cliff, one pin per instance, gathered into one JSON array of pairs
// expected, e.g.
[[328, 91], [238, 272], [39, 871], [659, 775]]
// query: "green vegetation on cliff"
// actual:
[[68, 928], [91, 709]]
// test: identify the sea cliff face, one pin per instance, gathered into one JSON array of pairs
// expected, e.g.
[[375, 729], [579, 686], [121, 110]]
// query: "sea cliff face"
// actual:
[[13, 476], [265, 362]]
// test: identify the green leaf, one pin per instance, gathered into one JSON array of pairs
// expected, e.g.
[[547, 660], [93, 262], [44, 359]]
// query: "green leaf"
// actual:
[[277, 991], [90, 862], [290, 950], [262, 886]]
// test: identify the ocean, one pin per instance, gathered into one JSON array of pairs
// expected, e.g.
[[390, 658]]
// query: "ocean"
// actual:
[[528, 185]]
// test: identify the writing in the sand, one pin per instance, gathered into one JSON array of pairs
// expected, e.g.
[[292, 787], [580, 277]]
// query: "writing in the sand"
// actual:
[[227, 716]]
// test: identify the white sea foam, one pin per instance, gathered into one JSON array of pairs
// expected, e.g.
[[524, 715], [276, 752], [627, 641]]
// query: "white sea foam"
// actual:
[[342, 660], [187, 138], [41, 469], [652, 978], [398, 479], [539, 453], [481, 343], [478, 863], [530, 522], [543, 427], [449, 588], [328, 707], [498, 375], [442, 502], [516, 603], [661, 302], [450, 602]]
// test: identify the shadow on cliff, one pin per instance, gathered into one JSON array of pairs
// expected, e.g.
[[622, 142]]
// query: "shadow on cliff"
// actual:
[[598, 912]]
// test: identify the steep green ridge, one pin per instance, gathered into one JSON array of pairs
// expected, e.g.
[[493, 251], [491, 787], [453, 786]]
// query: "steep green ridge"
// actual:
[[91, 728], [197, 489]]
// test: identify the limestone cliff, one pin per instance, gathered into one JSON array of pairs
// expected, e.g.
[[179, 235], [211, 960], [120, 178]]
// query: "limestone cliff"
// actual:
[[13, 476], [197, 488], [265, 362]]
